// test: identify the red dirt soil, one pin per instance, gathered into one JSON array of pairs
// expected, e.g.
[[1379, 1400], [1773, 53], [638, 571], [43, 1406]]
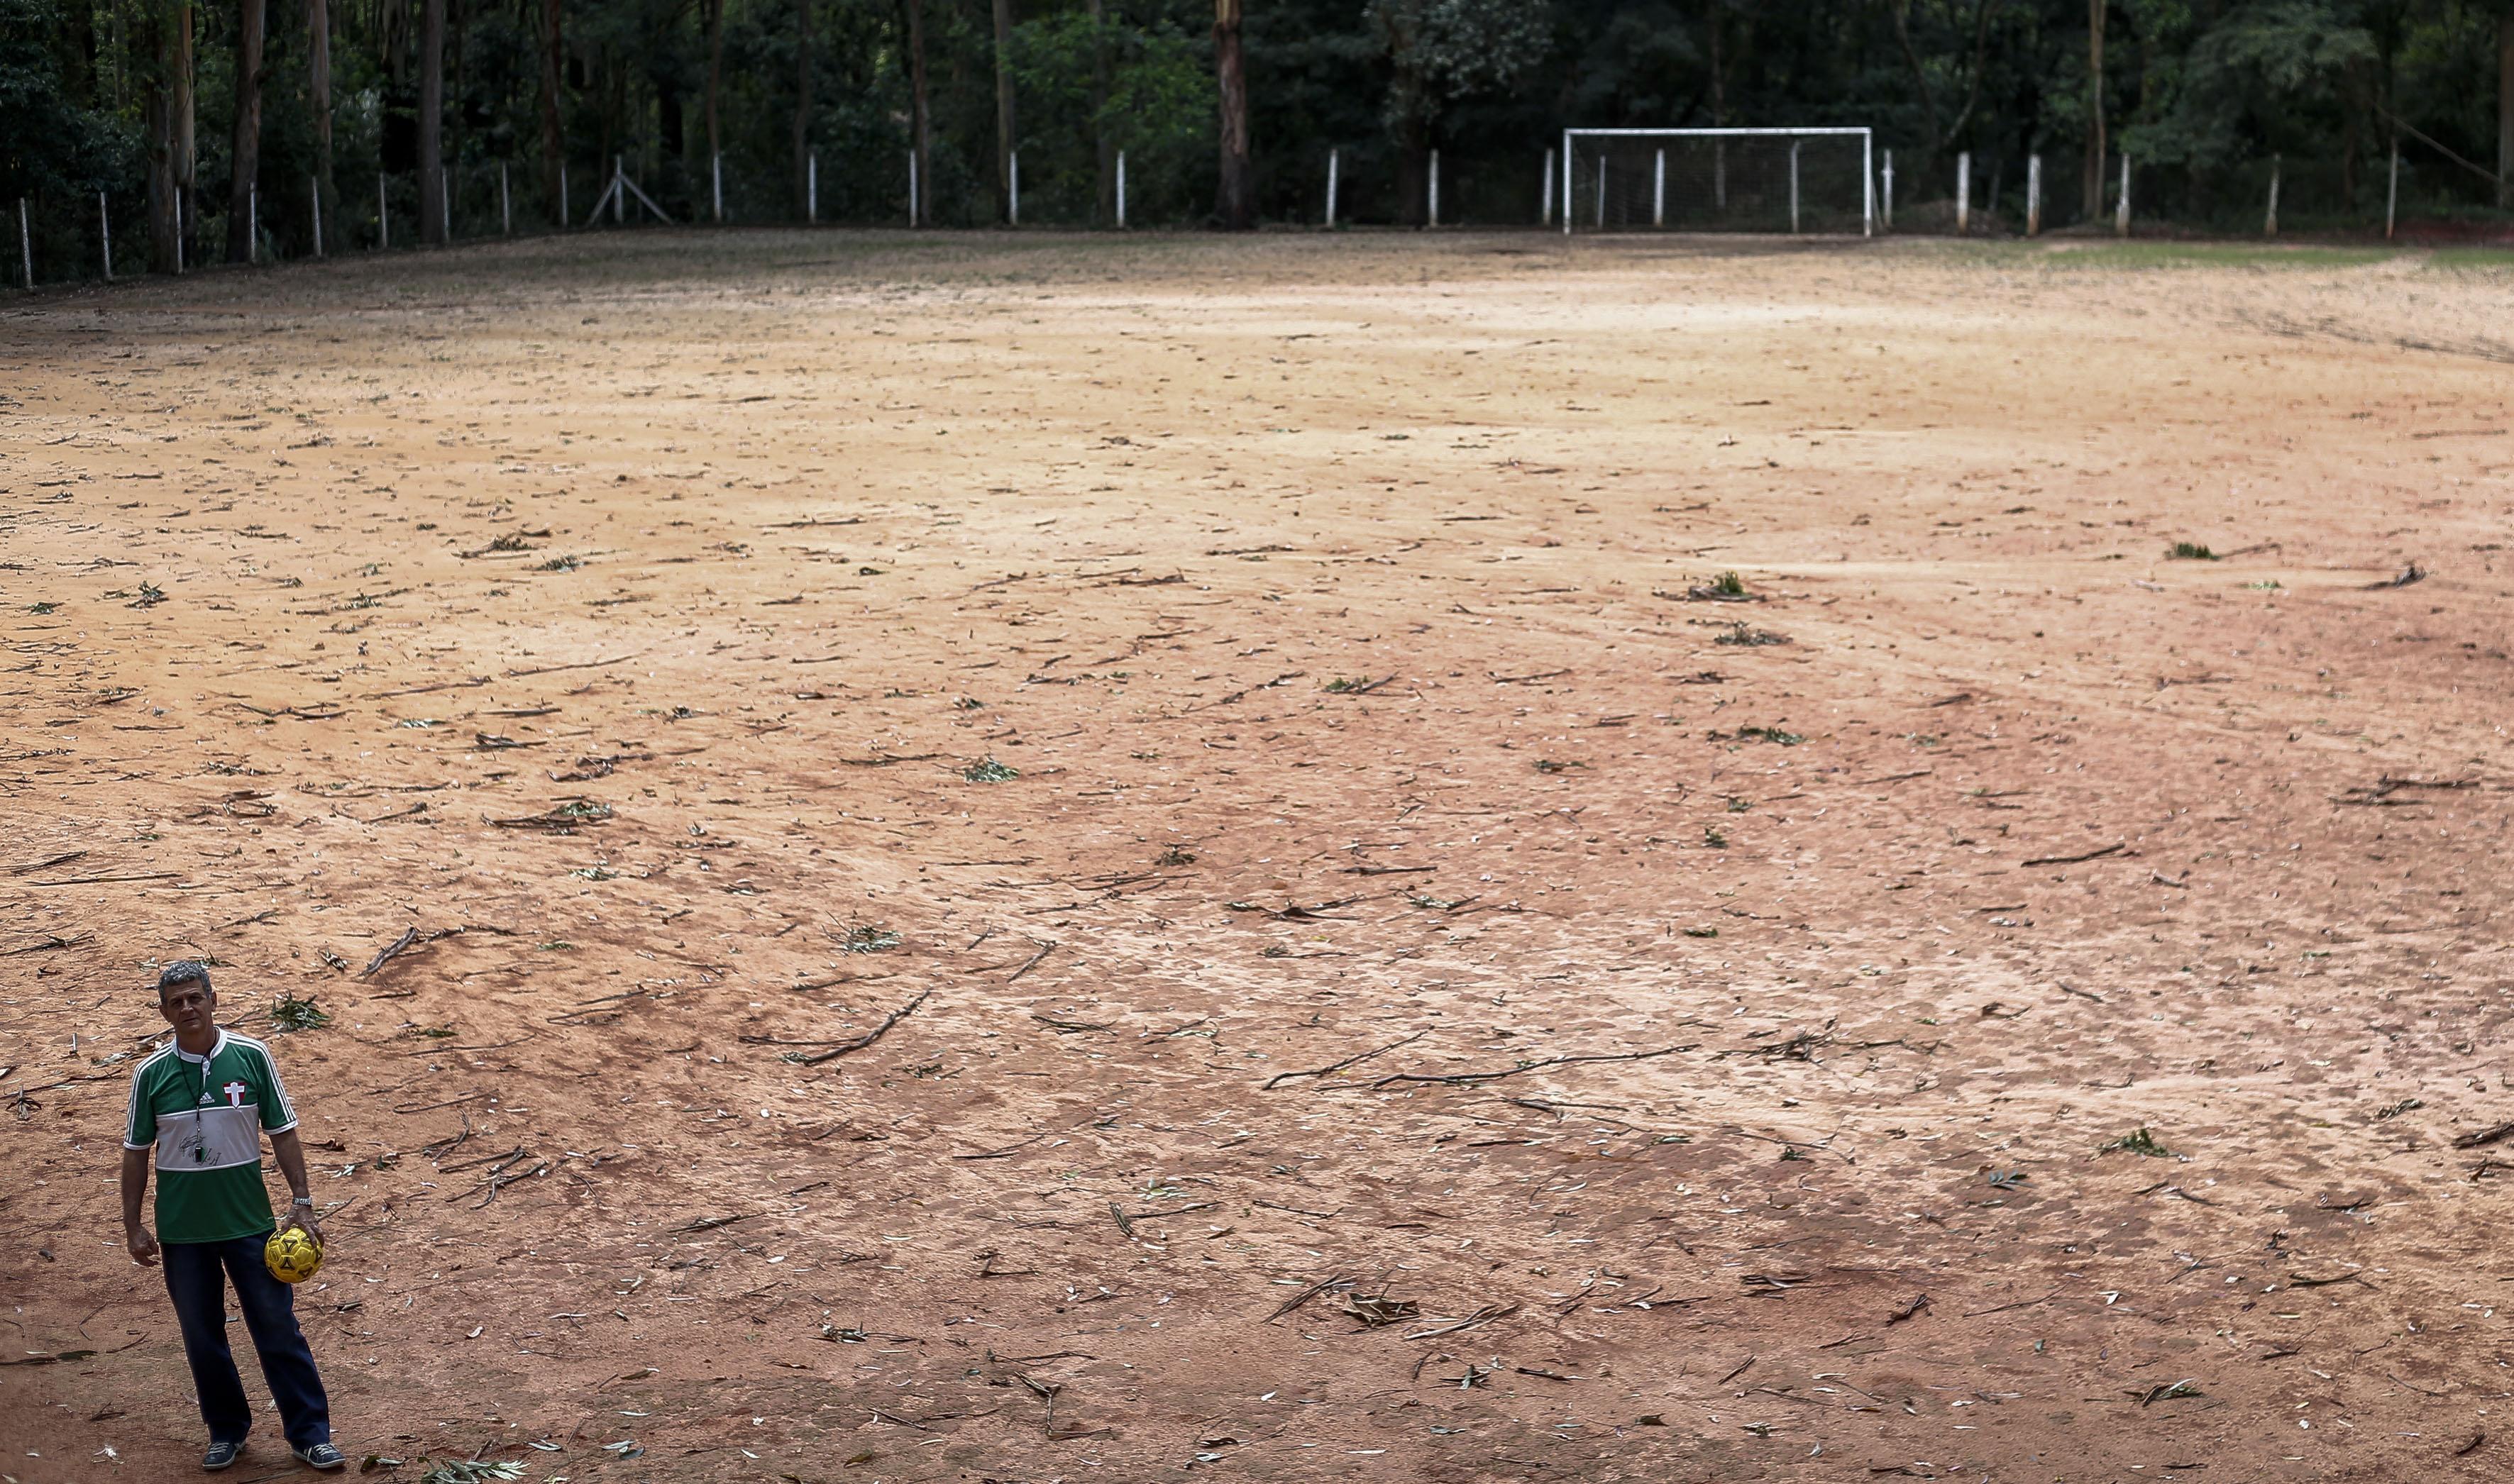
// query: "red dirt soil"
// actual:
[[1433, 998]]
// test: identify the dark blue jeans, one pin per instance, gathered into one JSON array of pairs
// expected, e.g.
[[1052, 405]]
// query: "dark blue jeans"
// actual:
[[195, 1279]]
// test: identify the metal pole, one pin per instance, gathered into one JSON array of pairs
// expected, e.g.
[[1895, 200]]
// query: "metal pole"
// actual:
[[1886, 212], [563, 218], [253, 221], [1658, 189], [1601, 192], [1867, 185], [1012, 193], [2269, 223], [1431, 205], [1334, 159], [383, 213], [912, 218], [1793, 186], [812, 187], [2033, 195], [506, 203], [1122, 190], [25, 245], [716, 182], [2121, 210], [1545, 206], [104, 219], [315, 187], [1963, 191], [445, 202], [2392, 198], [619, 197]]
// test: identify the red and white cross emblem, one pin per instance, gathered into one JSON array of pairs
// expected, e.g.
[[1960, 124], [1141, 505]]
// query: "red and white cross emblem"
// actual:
[[235, 1092]]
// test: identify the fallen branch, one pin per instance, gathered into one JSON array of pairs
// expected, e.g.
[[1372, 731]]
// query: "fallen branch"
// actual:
[[1333, 1067], [870, 1036], [1469, 1079], [1301, 1298], [2093, 855]]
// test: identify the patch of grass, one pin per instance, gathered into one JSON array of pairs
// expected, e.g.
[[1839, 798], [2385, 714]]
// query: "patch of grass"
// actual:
[[968, 703], [150, 595], [1430, 903], [1739, 806], [1747, 636], [583, 809], [1344, 685], [2139, 1141], [1758, 734], [559, 564], [868, 938], [2189, 551], [2199, 254], [987, 770], [513, 541], [1175, 856], [289, 1013], [2265, 584], [1715, 838], [1702, 932], [40, 608], [594, 872], [1549, 765]]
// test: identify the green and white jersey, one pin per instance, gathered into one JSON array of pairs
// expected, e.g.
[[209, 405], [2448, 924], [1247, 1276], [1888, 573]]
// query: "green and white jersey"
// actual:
[[205, 1116]]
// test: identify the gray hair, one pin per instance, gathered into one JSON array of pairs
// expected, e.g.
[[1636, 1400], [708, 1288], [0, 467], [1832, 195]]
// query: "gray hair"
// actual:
[[188, 971]]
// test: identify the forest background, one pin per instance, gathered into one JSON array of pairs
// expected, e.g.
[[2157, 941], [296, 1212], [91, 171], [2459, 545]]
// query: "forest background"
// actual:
[[212, 129]]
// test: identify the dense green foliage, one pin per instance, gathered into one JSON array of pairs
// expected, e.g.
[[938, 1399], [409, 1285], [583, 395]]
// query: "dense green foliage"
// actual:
[[2203, 94]]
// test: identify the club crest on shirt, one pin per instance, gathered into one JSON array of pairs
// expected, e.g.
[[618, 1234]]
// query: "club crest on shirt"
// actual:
[[235, 1092]]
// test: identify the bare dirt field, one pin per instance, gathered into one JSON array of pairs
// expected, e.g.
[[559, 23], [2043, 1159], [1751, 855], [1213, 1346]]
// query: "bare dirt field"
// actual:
[[1374, 977]]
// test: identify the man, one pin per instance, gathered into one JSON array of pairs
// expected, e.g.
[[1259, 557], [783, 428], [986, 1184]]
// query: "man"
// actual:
[[203, 1104]]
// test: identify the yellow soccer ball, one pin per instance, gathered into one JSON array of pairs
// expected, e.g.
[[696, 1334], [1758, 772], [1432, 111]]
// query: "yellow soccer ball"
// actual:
[[292, 1256]]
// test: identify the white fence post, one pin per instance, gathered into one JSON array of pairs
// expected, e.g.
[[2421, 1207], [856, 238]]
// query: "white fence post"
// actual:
[[1658, 189], [315, 188], [619, 197], [2269, 223], [1012, 198], [1601, 192], [1431, 205], [913, 217], [104, 219], [2121, 209], [1886, 207], [563, 208], [2033, 195], [25, 245], [1545, 212], [252, 220], [812, 187], [1794, 188], [1963, 191], [506, 203], [1122, 190], [715, 184], [2392, 197], [1335, 159]]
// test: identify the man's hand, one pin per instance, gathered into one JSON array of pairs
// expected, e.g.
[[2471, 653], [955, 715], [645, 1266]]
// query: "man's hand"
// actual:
[[303, 1219], [143, 1246]]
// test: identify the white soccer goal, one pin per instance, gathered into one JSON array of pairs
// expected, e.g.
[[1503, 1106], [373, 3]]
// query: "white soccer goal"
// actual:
[[1718, 179]]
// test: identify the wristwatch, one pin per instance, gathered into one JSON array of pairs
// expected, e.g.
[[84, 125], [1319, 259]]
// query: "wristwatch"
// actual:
[[302, 1200]]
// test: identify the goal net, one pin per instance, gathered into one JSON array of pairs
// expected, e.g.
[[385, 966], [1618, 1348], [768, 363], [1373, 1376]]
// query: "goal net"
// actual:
[[1716, 181]]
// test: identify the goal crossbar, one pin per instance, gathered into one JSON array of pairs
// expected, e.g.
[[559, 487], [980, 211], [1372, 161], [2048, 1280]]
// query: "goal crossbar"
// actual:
[[1865, 136]]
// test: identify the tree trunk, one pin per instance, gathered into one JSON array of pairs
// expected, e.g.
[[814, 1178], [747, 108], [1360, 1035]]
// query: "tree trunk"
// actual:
[[245, 156], [77, 53], [156, 40], [1003, 110], [1235, 200], [2505, 109], [714, 80], [318, 83], [186, 154], [918, 132], [802, 106], [553, 145], [2095, 149], [1103, 148], [432, 121]]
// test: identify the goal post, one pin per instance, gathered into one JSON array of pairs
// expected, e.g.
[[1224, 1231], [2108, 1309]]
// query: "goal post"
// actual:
[[1780, 180]]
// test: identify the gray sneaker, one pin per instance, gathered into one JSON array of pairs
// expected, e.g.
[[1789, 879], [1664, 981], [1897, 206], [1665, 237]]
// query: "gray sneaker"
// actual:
[[322, 1455], [222, 1456]]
